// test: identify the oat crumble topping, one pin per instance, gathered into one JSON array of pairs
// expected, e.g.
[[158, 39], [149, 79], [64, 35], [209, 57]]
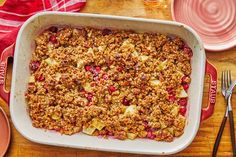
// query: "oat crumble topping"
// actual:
[[109, 83]]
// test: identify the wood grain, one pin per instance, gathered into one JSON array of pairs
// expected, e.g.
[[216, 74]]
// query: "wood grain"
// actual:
[[204, 141]]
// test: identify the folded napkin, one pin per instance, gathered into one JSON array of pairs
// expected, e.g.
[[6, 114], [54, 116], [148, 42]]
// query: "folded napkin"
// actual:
[[13, 13]]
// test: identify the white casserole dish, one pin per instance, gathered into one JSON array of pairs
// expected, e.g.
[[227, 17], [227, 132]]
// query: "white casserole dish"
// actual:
[[23, 50]]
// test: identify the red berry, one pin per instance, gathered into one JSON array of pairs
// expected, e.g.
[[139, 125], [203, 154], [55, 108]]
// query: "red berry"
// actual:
[[96, 78], [53, 39], [182, 110], [105, 77], [40, 78], [111, 89], [188, 51], [53, 29], [172, 98], [183, 102], [88, 68], [150, 135], [110, 134], [185, 86], [34, 65], [98, 69], [89, 96], [106, 31], [151, 129], [185, 79], [145, 123], [125, 101], [120, 69], [170, 91], [81, 89]]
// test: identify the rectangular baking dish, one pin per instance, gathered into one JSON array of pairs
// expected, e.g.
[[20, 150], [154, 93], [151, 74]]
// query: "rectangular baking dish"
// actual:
[[22, 55]]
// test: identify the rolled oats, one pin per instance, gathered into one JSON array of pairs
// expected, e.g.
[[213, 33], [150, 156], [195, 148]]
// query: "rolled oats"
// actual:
[[110, 83]]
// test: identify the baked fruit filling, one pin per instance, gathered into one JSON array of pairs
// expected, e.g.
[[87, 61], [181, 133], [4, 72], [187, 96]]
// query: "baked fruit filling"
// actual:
[[110, 83]]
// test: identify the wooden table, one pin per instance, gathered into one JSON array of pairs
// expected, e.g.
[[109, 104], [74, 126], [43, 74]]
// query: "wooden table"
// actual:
[[204, 141]]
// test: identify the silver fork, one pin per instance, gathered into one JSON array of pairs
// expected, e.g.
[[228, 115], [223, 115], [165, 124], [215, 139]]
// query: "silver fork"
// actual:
[[225, 83]]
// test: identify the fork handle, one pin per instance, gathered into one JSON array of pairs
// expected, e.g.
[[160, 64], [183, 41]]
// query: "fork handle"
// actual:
[[218, 138], [232, 132]]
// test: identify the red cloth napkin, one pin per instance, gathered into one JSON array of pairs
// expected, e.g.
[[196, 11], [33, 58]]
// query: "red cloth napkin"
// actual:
[[14, 12]]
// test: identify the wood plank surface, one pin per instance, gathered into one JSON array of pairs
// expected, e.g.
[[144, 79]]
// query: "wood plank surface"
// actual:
[[204, 141]]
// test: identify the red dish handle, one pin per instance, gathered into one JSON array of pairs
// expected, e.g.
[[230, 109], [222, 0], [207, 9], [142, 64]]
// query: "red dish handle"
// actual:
[[208, 111], [8, 52]]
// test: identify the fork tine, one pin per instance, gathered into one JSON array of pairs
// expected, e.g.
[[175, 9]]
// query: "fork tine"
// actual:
[[223, 80], [230, 81], [227, 79]]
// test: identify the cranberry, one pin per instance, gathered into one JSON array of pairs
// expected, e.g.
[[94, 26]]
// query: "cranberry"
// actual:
[[150, 135], [120, 69], [183, 101], [88, 68], [53, 29], [82, 90], [105, 77], [188, 51], [40, 78], [185, 79], [141, 111], [170, 91], [96, 78], [53, 39], [182, 110], [172, 98], [110, 133], [98, 69], [89, 96], [151, 129], [185, 86], [145, 123], [106, 31], [95, 73], [34, 65], [111, 89], [77, 81], [125, 101]]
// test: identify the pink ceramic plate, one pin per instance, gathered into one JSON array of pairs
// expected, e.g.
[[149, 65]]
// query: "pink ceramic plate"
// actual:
[[214, 20], [4, 132]]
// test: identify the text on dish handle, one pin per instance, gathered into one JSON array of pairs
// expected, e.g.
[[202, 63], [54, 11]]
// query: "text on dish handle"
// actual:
[[213, 91], [2, 72]]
